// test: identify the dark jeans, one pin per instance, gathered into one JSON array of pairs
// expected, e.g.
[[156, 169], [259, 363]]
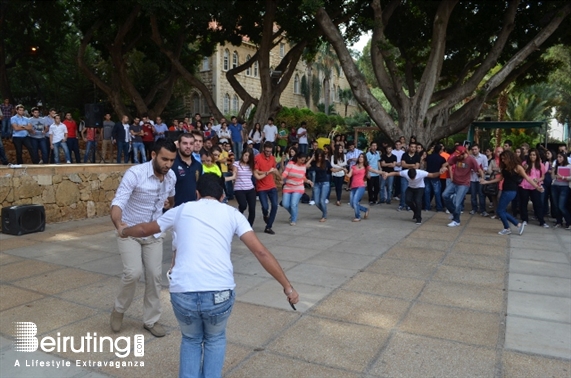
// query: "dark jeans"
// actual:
[[548, 203], [6, 127], [373, 188], [413, 199], [433, 188], [73, 146], [560, 194], [50, 152], [524, 196], [338, 182], [24, 141], [41, 144], [477, 196], [122, 147], [270, 196], [148, 148], [247, 199]]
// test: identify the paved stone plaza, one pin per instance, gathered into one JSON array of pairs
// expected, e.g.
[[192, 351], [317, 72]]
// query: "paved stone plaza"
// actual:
[[379, 298]]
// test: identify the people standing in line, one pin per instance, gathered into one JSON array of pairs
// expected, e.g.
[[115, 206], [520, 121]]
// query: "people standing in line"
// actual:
[[293, 178], [434, 163], [141, 196], [373, 182], [511, 174], [160, 129], [72, 141], [264, 171], [225, 133], [388, 164], [358, 174], [339, 170], [302, 138], [49, 120], [322, 168], [270, 132], [244, 189], [456, 191], [560, 191], [137, 146], [122, 137], [90, 136], [58, 139], [187, 170], [255, 135], [38, 136], [476, 194], [107, 138], [536, 171], [21, 129]]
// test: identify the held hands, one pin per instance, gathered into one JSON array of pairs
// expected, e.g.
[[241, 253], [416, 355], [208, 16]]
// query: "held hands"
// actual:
[[541, 189], [120, 229], [483, 182]]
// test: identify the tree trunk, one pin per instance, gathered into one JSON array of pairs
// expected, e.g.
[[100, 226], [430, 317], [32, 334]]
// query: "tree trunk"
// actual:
[[326, 94]]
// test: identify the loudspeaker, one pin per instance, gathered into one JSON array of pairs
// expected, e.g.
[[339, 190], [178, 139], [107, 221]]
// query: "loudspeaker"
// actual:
[[23, 219], [94, 115]]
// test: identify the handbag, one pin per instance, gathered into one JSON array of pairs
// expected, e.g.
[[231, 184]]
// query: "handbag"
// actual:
[[491, 189]]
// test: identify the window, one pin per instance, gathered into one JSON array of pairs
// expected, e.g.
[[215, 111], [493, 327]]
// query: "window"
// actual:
[[195, 103], [235, 104], [296, 89], [205, 64], [256, 69], [226, 60], [234, 59], [226, 103], [332, 97], [249, 69], [282, 50]]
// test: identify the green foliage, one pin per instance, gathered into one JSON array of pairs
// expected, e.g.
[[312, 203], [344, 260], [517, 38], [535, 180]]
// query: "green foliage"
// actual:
[[560, 78], [321, 108]]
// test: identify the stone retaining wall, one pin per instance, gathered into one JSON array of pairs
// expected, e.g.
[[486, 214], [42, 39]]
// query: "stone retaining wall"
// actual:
[[67, 191]]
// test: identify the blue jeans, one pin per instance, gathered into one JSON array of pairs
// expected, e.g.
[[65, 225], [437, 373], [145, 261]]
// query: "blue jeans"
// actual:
[[290, 202], [432, 187], [560, 194], [122, 147], [356, 195], [453, 198], [228, 186], [6, 127], [91, 146], [202, 324], [139, 147], [477, 195], [502, 210], [63, 146], [386, 189], [270, 195], [403, 186], [321, 191], [312, 178], [41, 144], [237, 147], [73, 147], [303, 148]]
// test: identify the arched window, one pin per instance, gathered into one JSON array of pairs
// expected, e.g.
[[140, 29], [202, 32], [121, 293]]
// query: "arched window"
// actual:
[[296, 89], [249, 69], [235, 103], [205, 64], [256, 69], [226, 103], [226, 60], [234, 59], [282, 50]]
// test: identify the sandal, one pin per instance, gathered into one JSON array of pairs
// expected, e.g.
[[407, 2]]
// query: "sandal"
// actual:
[[323, 220], [356, 220], [366, 214], [338, 203]]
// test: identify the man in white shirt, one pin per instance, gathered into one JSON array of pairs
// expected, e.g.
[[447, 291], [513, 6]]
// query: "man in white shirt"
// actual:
[[302, 138], [398, 151], [58, 139], [476, 193], [270, 132], [201, 277]]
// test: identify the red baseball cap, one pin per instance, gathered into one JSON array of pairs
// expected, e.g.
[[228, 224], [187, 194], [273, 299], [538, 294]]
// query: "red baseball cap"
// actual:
[[460, 150]]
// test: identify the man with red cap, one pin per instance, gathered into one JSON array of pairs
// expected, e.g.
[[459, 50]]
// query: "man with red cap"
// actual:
[[460, 164]]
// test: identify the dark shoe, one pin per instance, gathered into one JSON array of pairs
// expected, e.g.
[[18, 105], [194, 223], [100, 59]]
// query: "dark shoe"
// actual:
[[156, 330], [419, 221], [266, 219], [269, 231], [116, 321]]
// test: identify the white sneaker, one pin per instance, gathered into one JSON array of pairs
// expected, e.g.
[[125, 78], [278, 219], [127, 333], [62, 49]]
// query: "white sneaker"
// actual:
[[453, 224], [447, 212], [311, 203], [326, 201], [68, 162]]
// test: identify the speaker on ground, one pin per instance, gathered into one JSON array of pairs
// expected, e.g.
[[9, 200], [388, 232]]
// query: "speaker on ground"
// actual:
[[23, 219]]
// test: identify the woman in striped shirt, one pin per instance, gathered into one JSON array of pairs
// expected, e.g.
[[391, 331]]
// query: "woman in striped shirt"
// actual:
[[294, 178], [244, 186]]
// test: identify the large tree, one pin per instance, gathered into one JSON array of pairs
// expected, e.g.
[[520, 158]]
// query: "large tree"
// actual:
[[430, 57]]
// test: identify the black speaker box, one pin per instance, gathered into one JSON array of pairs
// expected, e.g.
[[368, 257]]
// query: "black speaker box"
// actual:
[[23, 219], [94, 115]]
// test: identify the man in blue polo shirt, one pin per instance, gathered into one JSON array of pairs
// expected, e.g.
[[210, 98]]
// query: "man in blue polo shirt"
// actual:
[[373, 182], [21, 128], [237, 136], [186, 169]]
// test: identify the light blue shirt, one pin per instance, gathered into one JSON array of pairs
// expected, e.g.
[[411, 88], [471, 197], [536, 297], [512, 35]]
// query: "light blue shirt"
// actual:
[[373, 159], [161, 128], [20, 121]]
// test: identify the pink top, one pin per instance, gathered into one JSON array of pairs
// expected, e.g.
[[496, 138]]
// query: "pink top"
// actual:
[[358, 177], [294, 175], [534, 173]]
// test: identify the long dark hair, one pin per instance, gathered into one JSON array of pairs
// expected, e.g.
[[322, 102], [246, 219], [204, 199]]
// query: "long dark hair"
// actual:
[[319, 162], [338, 156], [565, 162], [529, 164], [365, 161], [250, 161], [511, 163]]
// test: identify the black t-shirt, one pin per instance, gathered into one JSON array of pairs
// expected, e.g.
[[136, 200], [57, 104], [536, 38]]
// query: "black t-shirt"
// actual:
[[136, 129], [389, 159], [434, 163], [410, 159], [321, 174], [186, 179]]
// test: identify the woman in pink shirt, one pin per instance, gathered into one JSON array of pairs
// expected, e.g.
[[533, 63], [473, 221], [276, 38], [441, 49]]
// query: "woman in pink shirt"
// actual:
[[294, 178], [359, 172], [536, 171]]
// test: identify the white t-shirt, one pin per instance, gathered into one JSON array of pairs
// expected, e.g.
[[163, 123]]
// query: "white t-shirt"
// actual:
[[58, 132], [270, 132], [418, 181], [303, 138], [398, 154], [203, 236]]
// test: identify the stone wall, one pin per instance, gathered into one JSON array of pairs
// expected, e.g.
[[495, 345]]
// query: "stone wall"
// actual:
[[67, 191]]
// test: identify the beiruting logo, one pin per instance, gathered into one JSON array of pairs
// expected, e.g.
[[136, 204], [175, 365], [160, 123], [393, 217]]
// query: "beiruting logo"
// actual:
[[25, 340]]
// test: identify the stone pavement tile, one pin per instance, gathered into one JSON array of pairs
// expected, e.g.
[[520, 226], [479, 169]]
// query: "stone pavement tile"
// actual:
[[235, 354], [538, 336], [102, 244], [13, 243], [516, 243], [245, 283], [415, 254], [286, 229], [35, 251], [560, 287], [440, 228], [269, 323], [341, 259], [403, 268], [491, 240], [475, 261], [6, 259], [59, 281], [48, 237], [270, 294], [467, 326], [462, 295], [361, 248], [480, 249], [98, 229], [366, 309], [540, 268], [470, 276], [251, 266], [535, 255], [539, 306], [168, 319], [11, 296], [285, 253], [418, 356], [111, 266], [267, 364], [421, 234], [313, 274], [519, 365], [26, 268], [310, 242], [74, 257], [48, 314], [439, 245], [332, 343], [385, 284]]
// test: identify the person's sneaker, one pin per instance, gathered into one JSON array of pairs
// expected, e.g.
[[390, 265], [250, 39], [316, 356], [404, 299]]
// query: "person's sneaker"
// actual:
[[462, 212], [545, 225], [371, 203], [568, 228], [68, 162], [472, 212], [388, 202], [451, 217], [266, 219], [557, 225], [453, 224], [399, 208], [292, 223], [156, 330], [521, 228], [524, 223], [311, 203], [269, 231], [41, 161], [506, 231], [116, 320], [326, 201], [447, 211], [396, 198], [418, 221], [485, 214]]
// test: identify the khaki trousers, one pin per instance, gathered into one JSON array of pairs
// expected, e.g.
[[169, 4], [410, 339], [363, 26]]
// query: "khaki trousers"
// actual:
[[138, 254], [104, 145]]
